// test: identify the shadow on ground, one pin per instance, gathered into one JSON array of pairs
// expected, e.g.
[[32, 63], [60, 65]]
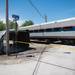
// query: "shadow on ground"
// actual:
[[16, 49]]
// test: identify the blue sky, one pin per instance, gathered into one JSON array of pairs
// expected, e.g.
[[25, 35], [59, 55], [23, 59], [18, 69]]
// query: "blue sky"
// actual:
[[54, 9]]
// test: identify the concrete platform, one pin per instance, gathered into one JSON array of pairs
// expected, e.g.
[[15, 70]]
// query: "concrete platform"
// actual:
[[56, 60]]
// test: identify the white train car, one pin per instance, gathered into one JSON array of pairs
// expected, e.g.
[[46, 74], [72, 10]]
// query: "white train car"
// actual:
[[61, 29]]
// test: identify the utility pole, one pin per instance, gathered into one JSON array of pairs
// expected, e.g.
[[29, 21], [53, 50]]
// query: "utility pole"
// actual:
[[46, 19], [7, 29]]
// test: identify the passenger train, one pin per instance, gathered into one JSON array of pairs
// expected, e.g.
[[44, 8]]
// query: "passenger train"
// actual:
[[56, 30]]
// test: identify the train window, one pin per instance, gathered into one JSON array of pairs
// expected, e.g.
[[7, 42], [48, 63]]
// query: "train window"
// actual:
[[57, 29], [73, 28], [42, 30], [31, 31], [67, 28], [49, 30], [36, 31]]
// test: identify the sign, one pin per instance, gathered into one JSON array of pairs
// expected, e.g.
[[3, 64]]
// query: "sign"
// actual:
[[16, 17]]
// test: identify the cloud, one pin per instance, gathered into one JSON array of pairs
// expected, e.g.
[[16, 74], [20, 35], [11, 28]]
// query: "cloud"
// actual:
[[20, 22], [3, 19]]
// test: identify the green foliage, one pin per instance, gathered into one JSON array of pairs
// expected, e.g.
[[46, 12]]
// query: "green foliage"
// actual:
[[11, 25], [2, 26], [27, 23]]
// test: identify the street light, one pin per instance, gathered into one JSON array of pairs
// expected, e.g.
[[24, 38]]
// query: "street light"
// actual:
[[7, 29]]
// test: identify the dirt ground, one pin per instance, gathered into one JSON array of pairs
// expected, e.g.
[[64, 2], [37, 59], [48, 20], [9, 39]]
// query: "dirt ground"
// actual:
[[22, 56]]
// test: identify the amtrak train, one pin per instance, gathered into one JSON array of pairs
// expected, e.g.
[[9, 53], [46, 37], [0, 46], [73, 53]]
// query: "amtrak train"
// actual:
[[56, 30]]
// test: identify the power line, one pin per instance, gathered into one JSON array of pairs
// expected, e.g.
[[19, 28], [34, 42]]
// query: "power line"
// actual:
[[35, 8]]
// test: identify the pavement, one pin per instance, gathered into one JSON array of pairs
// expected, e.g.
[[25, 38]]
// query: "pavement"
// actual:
[[55, 60]]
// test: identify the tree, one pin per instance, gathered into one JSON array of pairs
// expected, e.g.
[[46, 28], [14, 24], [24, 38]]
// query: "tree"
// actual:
[[2, 26], [27, 23], [11, 25]]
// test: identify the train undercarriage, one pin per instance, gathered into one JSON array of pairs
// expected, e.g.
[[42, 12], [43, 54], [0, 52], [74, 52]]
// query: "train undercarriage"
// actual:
[[68, 41]]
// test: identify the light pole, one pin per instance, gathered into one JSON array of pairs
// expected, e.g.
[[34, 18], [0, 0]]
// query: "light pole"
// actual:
[[46, 18], [7, 29]]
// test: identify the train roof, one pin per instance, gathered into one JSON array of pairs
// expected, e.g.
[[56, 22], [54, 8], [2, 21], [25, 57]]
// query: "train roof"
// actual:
[[53, 24]]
